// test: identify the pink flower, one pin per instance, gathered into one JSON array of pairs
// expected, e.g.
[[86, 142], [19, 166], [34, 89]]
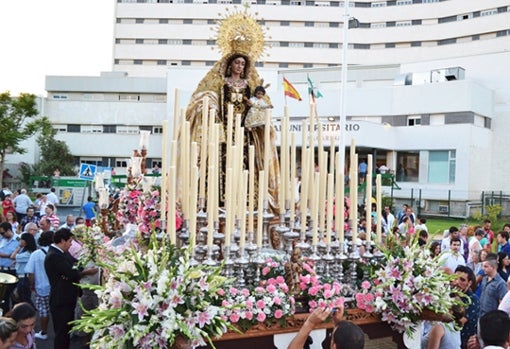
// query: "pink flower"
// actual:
[[203, 318], [221, 292], [261, 304], [261, 317], [277, 300], [271, 288], [365, 285], [265, 271], [234, 318], [278, 313], [249, 315]]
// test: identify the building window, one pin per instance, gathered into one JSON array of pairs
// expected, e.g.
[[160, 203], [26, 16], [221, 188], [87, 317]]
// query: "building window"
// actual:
[[60, 128], [187, 21], [209, 63], [361, 46], [121, 163], [333, 45], [186, 63], [163, 42], [283, 65], [139, 41], [128, 130], [475, 37], [109, 128], [447, 41], [186, 42], [139, 21], [308, 65], [92, 129], [161, 62], [138, 62], [92, 161], [415, 43], [163, 21], [308, 44], [309, 24], [413, 120], [284, 44], [157, 130], [284, 23], [408, 166], [334, 24], [211, 42], [442, 166], [259, 64], [389, 45], [73, 128]]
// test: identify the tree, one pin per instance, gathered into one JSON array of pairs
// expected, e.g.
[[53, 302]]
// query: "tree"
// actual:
[[19, 120], [55, 154]]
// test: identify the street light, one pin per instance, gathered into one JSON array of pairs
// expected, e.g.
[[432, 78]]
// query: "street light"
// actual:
[[348, 22]]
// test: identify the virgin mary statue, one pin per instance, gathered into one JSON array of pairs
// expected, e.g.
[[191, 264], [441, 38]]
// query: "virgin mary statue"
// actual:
[[231, 81]]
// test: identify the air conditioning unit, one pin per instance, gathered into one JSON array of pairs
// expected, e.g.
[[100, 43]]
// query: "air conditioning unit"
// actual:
[[443, 209]]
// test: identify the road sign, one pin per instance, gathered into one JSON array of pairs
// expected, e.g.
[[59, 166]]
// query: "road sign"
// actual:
[[87, 171]]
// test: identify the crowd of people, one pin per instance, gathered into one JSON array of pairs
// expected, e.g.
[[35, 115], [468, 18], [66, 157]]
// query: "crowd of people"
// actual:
[[42, 253]]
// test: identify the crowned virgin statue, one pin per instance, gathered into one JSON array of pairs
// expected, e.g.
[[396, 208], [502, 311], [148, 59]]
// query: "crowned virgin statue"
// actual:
[[232, 81]]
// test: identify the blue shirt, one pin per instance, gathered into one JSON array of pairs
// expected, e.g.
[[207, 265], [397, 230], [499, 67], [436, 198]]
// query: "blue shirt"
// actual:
[[35, 265], [21, 261], [493, 292], [506, 248], [8, 248], [472, 313], [88, 210]]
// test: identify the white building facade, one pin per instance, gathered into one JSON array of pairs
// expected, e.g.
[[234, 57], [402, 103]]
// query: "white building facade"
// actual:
[[446, 127]]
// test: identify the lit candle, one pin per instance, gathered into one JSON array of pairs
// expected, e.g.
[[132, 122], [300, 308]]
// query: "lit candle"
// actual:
[[329, 225], [378, 201], [260, 209], [368, 199], [144, 139]]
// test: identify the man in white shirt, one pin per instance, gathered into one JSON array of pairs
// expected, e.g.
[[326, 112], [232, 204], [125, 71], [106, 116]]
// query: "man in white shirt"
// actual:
[[453, 258], [388, 220], [52, 198], [446, 242]]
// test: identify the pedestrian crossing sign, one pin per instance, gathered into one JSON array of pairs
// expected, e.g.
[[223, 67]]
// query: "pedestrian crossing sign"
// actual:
[[87, 171]]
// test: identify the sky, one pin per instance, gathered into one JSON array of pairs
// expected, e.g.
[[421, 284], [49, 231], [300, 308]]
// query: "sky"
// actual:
[[53, 37]]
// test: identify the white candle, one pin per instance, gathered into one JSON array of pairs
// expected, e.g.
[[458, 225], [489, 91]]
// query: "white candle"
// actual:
[[251, 188], [177, 116], [99, 179], [354, 200], [260, 209], [378, 201], [267, 147], [136, 166], [171, 205], [329, 225], [293, 177], [164, 169], [322, 188], [193, 204], [229, 209], [303, 200], [210, 208], [203, 148], [103, 201], [368, 201], [339, 201], [144, 139], [242, 219], [315, 207]]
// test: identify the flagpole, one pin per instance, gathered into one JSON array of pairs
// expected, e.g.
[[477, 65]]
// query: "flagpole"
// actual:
[[343, 109]]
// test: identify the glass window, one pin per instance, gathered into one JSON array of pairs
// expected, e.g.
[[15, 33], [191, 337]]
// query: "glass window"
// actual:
[[73, 128], [414, 121], [109, 128], [442, 166], [408, 166]]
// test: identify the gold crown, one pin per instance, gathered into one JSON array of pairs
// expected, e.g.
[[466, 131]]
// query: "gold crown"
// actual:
[[239, 32]]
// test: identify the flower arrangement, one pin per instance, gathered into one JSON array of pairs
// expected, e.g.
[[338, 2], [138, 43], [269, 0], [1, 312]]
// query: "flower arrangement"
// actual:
[[251, 306], [140, 204], [92, 240], [320, 293], [153, 296], [409, 282]]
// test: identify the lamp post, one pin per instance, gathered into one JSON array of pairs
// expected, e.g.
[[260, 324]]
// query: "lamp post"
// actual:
[[343, 84]]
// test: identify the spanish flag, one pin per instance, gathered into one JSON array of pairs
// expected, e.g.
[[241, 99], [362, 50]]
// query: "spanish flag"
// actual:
[[290, 90]]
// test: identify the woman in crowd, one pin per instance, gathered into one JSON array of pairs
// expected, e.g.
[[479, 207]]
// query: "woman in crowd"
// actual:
[[435, 248], [21, 255], [437, 335], [503, 265], [8, 332], [10, 217], [24, 314]]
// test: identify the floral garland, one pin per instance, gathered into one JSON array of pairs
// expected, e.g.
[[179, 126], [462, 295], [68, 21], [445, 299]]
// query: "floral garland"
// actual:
[[153, 296], [407, 283]]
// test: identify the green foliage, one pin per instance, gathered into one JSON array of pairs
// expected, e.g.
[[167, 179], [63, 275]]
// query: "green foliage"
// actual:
[[55, 154], [19, 121]]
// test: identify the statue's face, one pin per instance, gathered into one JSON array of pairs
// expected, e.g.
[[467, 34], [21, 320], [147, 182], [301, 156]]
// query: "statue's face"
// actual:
[[237, 66]]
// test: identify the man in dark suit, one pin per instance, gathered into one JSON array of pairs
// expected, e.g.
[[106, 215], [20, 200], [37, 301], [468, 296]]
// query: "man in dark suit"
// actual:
[[64, 294]]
